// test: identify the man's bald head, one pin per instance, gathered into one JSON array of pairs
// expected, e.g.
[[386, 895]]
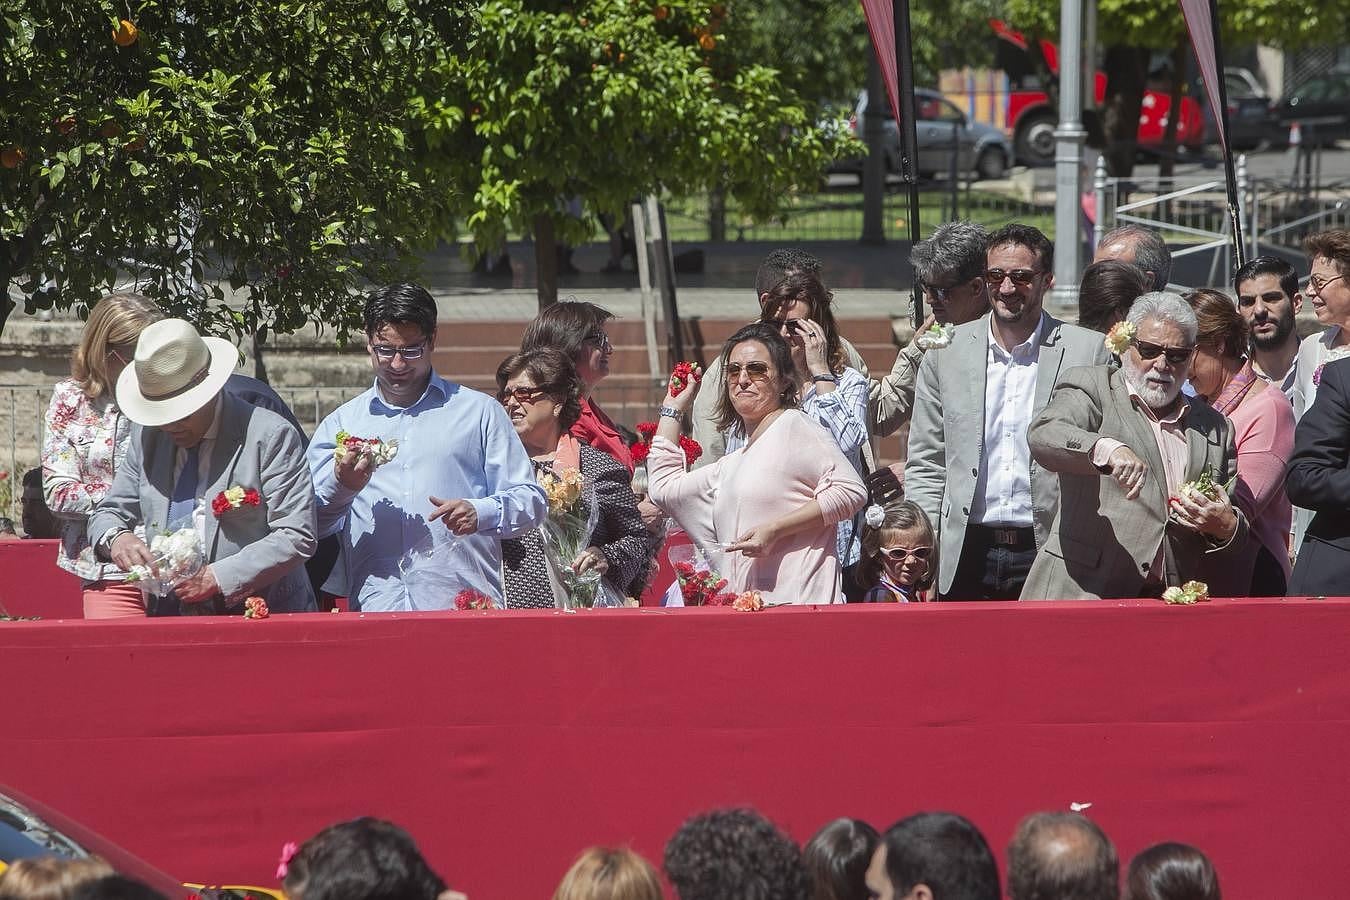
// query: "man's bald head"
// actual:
[[1141, 246], [1062, 856]]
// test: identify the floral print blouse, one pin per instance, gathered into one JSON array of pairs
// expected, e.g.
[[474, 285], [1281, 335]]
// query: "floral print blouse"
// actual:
[[85, 444]]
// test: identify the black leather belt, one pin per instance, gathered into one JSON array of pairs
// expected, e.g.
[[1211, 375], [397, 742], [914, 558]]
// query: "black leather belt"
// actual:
[[1008, 536]]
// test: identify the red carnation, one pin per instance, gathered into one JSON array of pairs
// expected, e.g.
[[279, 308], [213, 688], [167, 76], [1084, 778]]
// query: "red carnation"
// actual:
[[220, 504], [472, 599], [639, 451], [647, 430], [682, 375], [691, 448], [252, 497]]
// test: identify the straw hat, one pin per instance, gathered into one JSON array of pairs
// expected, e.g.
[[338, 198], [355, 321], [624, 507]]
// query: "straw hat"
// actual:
[[175, 373]]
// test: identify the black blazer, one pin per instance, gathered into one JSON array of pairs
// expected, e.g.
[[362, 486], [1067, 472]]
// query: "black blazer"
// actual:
[[1319, 480]]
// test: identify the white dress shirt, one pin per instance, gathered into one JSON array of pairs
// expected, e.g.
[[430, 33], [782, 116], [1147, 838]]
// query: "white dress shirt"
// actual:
[[1003, 486]]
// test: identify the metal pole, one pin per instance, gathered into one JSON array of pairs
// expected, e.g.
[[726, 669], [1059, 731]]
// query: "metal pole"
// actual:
[[1099, 185], [909, 136], [1069, 139], [874, 163]]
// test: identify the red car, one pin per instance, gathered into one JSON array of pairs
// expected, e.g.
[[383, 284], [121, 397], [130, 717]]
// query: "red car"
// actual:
[[1031, 118]]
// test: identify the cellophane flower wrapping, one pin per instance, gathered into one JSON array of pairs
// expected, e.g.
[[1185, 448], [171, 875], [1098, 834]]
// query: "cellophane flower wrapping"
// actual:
[[178, 555], [573, 513], [701, 583], [442, 574]]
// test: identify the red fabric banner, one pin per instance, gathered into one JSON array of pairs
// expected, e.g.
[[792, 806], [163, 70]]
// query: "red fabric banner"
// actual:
[[509, 741], [881, 26], [1203, 29]]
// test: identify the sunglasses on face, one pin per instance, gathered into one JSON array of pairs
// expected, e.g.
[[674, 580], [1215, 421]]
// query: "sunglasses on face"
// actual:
[[1175, 355], [522, 395], [755, 371], [387, 354], [938, 293], [600, 340], [900, 554], [1022, 277], [1317, 282]]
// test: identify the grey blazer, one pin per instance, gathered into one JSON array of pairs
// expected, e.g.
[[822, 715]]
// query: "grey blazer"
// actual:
[[252, 550], [1101, 544], [946, 437]]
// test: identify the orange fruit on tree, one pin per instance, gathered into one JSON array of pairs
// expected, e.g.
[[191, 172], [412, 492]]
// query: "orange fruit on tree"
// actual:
[[661, 13], [707, 41], [12, 157], [126, 33], [65, 124]]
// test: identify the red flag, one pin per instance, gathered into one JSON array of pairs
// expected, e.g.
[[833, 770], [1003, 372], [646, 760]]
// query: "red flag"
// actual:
[[881, 26], [1200, 22]]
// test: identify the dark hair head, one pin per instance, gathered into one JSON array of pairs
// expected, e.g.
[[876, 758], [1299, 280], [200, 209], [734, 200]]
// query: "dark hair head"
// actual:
[[1221, 326], [49, 877], [1268, 265], [944, 851], [551, 372], [837, 859], [897, 514], [956, 253], [565, 326], [32, 478], [1334, 245], [781, 263], [1150, 251], [115, 887], [1059, 854], [734, 853], [400, 304], [807, 287], [1172, 872], [1026, 236], [6, 525], [364, 859], [779, 354], [1106, 292]]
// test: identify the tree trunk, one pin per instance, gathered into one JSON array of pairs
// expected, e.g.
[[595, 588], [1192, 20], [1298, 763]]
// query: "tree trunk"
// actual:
[[545, 261], [1126, 77], [717, 214]]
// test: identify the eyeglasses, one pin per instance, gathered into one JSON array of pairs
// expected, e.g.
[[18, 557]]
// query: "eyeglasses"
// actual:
[[1175, 355], [939, 292], [1317, 283], [115, 352], [899, 554], [409, 354], [523, 395], [1023, 277], [755, 371]]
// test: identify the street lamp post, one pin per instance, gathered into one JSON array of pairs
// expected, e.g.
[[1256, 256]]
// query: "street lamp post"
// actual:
[[1069, 139]]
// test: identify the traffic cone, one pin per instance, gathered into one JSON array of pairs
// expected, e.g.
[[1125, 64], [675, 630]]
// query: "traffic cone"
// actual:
[[1295, 135]]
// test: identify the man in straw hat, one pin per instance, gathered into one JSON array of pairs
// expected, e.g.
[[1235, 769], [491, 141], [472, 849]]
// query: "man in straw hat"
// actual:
[[205, 459]]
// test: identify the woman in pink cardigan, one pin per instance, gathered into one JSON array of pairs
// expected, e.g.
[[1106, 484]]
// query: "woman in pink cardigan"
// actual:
[[774, 503], [1263, 419]]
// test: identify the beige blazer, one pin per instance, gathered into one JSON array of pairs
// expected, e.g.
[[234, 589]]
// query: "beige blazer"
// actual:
[[1101, 544], [946, 436]]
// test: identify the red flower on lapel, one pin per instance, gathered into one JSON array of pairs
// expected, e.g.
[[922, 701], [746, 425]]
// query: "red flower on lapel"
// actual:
[[233, 498]]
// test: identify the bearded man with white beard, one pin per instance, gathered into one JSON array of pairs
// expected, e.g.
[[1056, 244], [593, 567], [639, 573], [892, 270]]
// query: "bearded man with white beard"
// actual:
[[1127, 444]]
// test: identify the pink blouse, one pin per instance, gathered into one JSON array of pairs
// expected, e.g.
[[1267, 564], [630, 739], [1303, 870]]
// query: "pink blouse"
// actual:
[[793, 461], [1264, 426]]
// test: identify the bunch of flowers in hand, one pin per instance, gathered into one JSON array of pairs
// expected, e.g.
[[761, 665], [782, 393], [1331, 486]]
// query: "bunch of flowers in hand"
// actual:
[[1204, 487], [233, 498], [683, 375], [935, 336], [178, 555], [1119, 338], [641, 447], [1189, 593], [352, 448], [572, 517]]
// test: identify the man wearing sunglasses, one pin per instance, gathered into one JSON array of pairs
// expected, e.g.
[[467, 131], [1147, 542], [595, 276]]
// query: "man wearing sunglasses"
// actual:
[[969, 467], [1124, 442], [460, 471]]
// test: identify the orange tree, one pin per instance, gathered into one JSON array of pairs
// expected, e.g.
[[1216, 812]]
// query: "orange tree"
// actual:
[[604, 100], [274, 147]]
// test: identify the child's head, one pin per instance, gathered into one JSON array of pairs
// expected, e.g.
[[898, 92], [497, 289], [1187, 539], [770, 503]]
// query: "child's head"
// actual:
[[902, 546]]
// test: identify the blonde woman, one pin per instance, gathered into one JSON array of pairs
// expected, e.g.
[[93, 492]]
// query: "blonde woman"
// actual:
[[604, 874], [86, 440]]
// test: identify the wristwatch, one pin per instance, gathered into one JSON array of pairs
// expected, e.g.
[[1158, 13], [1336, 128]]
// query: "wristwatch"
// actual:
[[670, 412], [832, 379]]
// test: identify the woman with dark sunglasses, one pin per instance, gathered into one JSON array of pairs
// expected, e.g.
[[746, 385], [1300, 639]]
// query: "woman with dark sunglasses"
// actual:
[[774, 504]]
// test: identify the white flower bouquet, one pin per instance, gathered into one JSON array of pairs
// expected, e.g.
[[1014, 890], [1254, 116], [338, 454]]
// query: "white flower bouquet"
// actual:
[[935, 336], [178, 555]]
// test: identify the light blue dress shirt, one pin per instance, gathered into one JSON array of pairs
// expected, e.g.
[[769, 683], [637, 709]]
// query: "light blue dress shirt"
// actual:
[[452, 443]]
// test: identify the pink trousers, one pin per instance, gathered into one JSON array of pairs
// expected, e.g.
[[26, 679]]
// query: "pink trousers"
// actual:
[[113, 600]]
